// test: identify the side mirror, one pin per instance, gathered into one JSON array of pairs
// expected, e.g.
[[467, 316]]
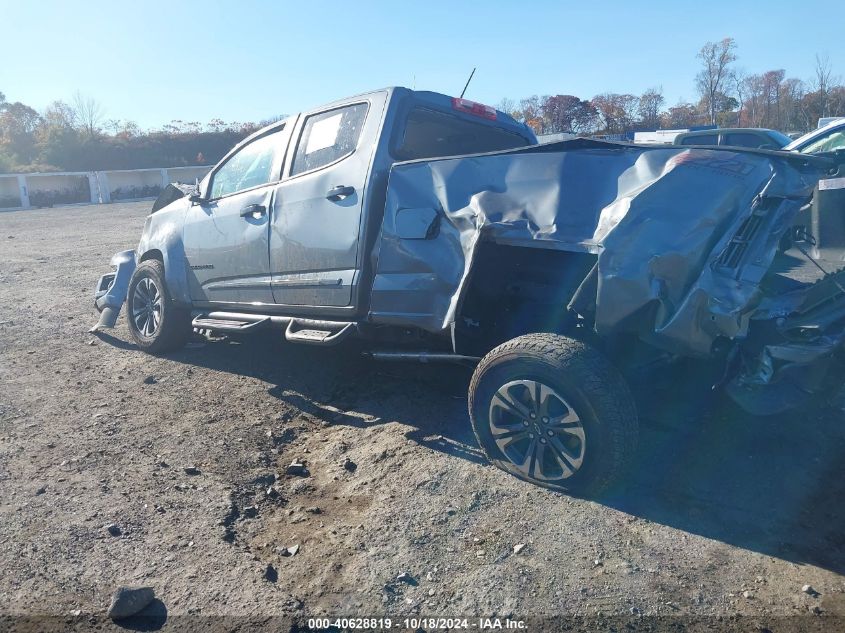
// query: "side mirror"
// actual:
[[196, 194]]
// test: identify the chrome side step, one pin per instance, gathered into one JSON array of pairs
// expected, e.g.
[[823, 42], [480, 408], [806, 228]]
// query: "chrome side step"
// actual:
[[227, 325], [318, 332]]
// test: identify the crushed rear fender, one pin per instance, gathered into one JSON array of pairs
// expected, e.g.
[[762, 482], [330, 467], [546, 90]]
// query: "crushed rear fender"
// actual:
[[683, 236]]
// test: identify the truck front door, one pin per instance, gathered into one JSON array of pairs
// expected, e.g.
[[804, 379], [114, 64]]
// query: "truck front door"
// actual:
[[316, 220], [226, 235]]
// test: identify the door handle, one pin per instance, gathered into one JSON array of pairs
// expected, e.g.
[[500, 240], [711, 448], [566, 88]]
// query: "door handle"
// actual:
[[253, 210], [339, 192]]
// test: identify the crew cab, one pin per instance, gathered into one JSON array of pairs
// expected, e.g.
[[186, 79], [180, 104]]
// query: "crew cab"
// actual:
[[433, 228]]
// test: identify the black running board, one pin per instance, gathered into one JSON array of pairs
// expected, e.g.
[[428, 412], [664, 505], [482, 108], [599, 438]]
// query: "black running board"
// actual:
[[308, 331]]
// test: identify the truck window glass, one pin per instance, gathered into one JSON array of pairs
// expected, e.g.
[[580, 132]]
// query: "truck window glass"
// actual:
[[429, 133], [250, 167], [704, 139], [745, 140], [328, 136]]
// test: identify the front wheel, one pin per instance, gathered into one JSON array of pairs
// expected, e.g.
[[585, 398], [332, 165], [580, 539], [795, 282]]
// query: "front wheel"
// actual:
[[157, 325], [554, 411]]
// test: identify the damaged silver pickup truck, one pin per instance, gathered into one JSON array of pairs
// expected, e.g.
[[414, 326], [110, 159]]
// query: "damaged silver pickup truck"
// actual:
[[435, 229]]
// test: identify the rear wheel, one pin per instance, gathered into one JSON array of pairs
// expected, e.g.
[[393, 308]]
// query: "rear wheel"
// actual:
[[157, 325], [554, 411]]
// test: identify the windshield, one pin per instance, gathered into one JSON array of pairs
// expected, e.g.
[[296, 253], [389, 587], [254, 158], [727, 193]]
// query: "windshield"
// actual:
[[780, 138], [817, 140], [429, 133]]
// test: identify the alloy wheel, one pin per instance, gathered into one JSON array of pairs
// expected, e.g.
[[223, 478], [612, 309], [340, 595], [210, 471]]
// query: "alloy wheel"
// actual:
[[537, 430], [146, 307]]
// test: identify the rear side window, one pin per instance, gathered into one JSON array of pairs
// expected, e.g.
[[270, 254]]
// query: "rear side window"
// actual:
[[429, 133], [328, 136], [745, 140], [704, 139], [255, 164]]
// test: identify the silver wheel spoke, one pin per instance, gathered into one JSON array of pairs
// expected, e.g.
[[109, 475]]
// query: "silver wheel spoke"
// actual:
[[563, 422], [503, 400], [527, 464], [560, 452]]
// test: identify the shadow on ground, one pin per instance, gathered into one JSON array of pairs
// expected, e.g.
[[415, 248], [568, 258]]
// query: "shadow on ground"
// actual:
[[772, 485]]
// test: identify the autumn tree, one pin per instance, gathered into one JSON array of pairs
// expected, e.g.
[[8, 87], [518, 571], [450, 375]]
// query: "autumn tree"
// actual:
[[617, 111], [530, 112], [716, 58], [18, 123], [567, 113], [680, 116]]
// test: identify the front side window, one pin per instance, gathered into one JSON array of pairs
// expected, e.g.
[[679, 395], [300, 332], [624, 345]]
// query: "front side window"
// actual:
[[827, 143], [328, 136], [254, 164]]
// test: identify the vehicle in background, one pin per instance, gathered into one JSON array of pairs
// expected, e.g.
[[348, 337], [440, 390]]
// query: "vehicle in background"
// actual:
[[826, 120], [757, 138], [666, 137], [557, 137], [829, 138]]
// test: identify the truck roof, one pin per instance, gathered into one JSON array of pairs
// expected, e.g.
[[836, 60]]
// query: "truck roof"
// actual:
[[435, 100]]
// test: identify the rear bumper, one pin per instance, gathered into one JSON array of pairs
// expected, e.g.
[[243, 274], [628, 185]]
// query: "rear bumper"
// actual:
[[110, 291]]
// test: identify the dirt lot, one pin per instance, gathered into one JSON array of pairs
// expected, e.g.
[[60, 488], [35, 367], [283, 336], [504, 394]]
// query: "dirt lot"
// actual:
[[725, 515]]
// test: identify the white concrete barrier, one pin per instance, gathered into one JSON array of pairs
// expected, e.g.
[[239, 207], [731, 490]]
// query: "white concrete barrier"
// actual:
[[25, 191]]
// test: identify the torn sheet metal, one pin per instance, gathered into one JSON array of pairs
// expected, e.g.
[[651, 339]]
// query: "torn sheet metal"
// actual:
[[111, 290], [683, 235], [171, 193]]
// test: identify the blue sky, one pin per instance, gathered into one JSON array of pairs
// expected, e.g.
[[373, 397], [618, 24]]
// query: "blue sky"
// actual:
[[152, 62]]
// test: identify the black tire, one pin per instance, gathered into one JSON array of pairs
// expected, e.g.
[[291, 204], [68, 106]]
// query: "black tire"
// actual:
[[173, 325], [574, 378]]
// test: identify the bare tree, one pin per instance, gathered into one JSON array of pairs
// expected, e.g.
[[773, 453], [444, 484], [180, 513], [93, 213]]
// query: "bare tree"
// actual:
[[716, 58], [506, 105], [649, 107], [737, 81], [822, 80], [89, 113]]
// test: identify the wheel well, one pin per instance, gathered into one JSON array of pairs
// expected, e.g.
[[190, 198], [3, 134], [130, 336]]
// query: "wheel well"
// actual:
[[152, 254], [517, 290]]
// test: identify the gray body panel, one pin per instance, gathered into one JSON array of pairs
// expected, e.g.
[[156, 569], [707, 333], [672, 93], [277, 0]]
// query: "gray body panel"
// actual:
[[315, 241], [658, 218]]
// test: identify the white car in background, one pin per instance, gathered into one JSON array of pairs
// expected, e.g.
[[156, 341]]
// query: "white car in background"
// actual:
[[828, 138]]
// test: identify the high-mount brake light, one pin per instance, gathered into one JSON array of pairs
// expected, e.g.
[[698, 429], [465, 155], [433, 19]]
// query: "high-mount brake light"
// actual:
[[476, 109]]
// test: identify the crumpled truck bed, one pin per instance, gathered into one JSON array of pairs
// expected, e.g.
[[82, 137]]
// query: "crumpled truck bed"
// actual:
[[683, 236]]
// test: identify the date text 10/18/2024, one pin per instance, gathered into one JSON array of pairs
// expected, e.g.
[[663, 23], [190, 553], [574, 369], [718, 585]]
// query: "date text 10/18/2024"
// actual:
[[414, 624]]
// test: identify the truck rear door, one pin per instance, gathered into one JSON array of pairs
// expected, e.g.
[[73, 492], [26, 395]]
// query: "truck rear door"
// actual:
[[316, 217]]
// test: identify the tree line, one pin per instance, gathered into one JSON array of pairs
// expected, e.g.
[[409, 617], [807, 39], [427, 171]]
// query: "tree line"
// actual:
[[76, 135], [728, 96]]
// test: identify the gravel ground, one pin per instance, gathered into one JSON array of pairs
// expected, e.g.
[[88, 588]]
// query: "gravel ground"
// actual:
[[725, 516]]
